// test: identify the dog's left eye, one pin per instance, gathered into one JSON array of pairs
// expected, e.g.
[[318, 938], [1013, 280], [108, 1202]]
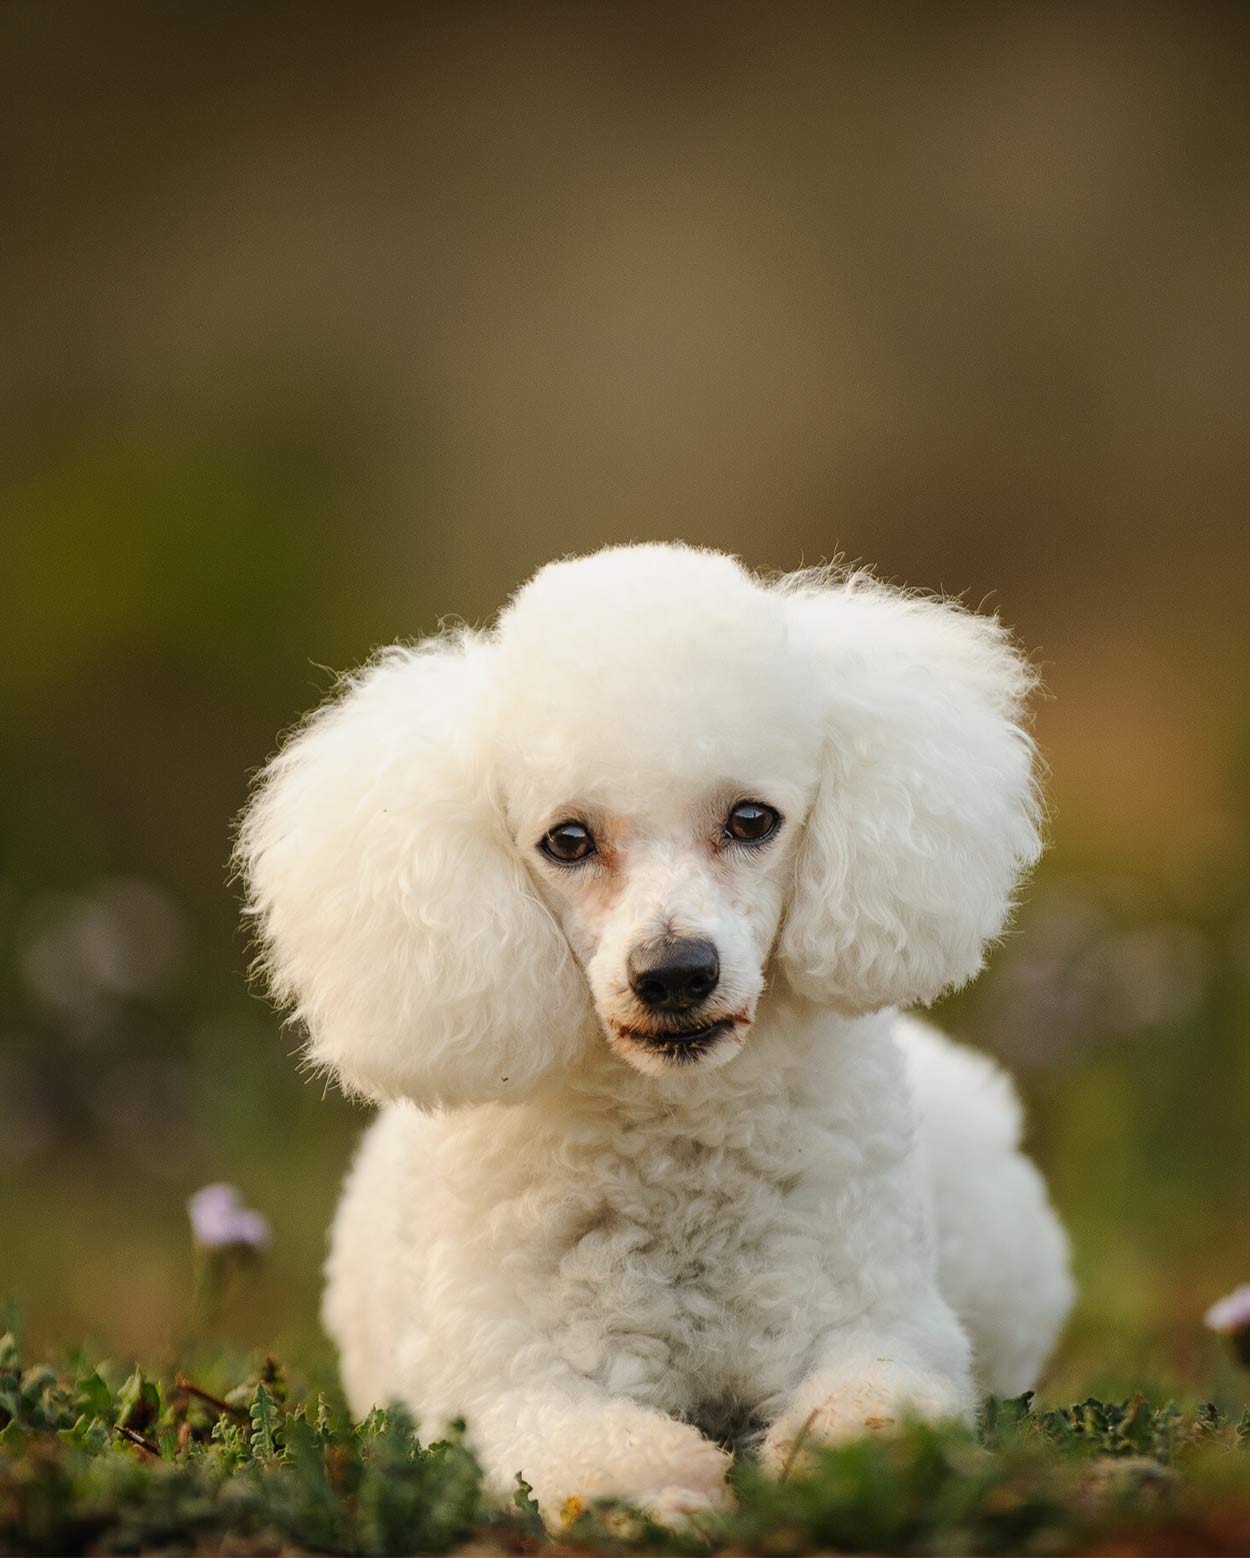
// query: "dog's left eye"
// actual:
[[751, 822]]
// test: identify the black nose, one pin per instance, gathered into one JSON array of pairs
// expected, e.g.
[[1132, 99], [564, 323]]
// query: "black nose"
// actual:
[[674, 975]]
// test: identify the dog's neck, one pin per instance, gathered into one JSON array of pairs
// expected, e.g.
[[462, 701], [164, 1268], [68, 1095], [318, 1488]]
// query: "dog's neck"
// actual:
[[793, 1048]]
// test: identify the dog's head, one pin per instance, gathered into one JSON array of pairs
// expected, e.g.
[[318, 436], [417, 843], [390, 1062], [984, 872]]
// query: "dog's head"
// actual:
[[656, 785]]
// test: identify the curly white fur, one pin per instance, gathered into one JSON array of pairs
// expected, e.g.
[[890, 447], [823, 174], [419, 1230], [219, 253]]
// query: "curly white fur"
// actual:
[[613, 1264]]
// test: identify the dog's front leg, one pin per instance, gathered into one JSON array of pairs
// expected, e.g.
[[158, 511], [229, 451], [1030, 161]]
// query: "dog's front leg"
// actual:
[[574, 1443], [871, 1379]]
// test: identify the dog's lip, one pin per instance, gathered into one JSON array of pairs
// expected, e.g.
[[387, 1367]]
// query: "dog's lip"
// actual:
[[663, 1038]]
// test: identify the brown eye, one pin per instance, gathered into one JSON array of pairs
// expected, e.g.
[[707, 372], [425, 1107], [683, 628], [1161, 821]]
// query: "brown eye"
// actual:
[[568, 842], [751, 822]]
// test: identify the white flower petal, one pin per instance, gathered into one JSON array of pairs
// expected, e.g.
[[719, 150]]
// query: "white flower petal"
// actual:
[[1232, 1312]]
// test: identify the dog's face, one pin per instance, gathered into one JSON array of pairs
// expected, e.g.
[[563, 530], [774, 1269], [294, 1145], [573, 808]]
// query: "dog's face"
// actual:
[[656, 785], [661, 756], [671, 908]]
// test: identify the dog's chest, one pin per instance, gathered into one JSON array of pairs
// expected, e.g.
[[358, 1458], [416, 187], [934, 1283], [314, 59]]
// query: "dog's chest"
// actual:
[[682, 1271]]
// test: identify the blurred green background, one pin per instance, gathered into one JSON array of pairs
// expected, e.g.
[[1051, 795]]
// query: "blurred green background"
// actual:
[[324, 322]]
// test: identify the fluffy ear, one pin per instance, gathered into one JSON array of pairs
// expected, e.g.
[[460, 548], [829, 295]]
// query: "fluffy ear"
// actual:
[[927, 812], [395, 916]]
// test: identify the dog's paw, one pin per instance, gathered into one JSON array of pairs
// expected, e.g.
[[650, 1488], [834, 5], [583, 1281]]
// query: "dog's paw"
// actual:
[[877, 1399], [691, 1512], [678, 1507], [663, 1469]]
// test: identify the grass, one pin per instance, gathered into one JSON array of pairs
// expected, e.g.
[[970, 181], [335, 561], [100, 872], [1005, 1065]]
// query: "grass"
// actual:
[[95, 1460]]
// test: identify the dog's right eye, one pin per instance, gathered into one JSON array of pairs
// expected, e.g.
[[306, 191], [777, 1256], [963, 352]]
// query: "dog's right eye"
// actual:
[[568, 842]]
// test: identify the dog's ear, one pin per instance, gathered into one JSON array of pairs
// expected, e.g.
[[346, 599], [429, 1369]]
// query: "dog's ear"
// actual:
[[927, 811], [395, 915]]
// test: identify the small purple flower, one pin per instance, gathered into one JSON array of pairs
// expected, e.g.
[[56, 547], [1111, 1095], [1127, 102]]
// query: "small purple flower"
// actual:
[[219, 1220], [1230, 1317]]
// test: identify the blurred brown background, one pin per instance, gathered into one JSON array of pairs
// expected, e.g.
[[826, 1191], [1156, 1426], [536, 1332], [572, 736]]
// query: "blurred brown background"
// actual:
[[324, 322]]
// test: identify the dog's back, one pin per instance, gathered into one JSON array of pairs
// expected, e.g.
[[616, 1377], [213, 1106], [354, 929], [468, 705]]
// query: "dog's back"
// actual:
[[1003, 1253]]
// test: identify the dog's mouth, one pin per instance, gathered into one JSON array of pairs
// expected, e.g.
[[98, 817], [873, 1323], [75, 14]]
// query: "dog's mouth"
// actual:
[[684, 1046]]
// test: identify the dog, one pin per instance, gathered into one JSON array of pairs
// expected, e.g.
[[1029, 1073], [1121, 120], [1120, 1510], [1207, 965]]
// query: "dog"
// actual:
[[613, 908]]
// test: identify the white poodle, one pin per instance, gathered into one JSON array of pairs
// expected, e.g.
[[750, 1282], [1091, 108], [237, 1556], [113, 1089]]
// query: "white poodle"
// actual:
[[613, 907]]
